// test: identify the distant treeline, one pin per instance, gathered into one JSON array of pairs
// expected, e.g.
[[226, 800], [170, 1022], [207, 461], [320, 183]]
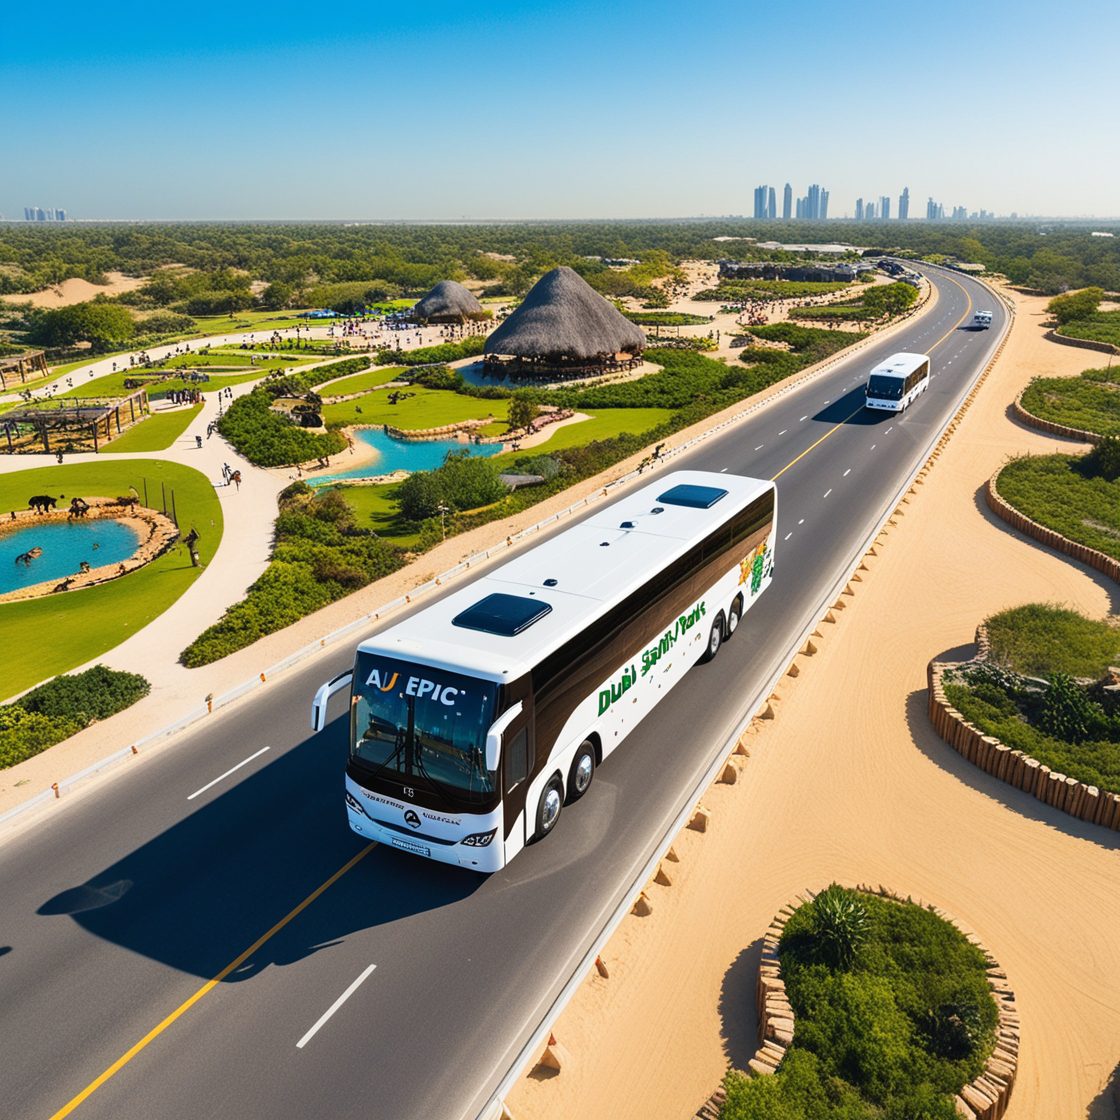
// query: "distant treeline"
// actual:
[[509, 257]]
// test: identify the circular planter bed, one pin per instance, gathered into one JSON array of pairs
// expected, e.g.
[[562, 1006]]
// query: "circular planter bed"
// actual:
[[874, 1007]]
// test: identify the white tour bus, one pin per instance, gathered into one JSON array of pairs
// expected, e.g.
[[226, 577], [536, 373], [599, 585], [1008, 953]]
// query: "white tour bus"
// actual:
[[474, 720], [897, 381], [982, 320]]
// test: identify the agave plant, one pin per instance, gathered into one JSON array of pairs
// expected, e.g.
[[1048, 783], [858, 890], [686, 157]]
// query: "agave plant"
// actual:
[[839, 926]]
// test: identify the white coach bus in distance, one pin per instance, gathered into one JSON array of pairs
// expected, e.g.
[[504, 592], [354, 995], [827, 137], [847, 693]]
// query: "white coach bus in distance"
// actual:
[[474, 720], [897, 381], [982, 320]]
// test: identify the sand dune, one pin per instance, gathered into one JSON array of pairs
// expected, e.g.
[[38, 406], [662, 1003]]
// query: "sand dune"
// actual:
[[850, 783], [75, 290]]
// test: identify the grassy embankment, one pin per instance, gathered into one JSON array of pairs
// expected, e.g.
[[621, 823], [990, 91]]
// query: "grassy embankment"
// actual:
[[156, 433], [1072, 724], [1090, 402], [1102, 326], [51, 635]]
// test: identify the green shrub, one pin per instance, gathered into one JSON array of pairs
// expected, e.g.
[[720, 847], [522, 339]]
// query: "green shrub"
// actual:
[[1104, 460], [62, 707], [1066, 712], [470, 347], [839, 926], [1075, 305], [464, 481]]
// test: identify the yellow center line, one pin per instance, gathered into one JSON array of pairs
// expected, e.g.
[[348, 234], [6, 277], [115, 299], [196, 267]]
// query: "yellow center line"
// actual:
[[837, 427], [187, 1004]]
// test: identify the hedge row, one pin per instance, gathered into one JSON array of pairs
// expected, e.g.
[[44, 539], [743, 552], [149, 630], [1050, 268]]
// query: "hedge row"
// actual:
[[470, 347], [62, 707]]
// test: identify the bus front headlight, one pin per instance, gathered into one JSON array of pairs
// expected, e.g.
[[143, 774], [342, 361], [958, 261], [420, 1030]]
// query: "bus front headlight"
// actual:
[[479, 839]]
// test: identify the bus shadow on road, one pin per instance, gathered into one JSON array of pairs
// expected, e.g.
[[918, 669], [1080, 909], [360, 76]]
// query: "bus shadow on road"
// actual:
[[849, 409], [199, 894]]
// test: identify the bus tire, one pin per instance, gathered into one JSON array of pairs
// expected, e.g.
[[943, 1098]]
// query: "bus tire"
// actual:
[[549, 806], [715, 640], [582, 772], [734, 617]]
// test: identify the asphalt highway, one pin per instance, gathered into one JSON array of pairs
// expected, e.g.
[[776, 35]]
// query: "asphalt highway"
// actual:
[[202, 936]]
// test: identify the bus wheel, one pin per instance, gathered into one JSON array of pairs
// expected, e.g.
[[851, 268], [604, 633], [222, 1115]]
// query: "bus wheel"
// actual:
[[582, 771], [548, 811], [734, 615], [715, 639]]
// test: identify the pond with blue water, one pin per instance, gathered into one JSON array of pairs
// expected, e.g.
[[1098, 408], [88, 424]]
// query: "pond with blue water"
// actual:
[[403, 455], [65, 545]]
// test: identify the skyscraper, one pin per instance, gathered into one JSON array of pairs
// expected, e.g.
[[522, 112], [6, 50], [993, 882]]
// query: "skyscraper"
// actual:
[[816, 203], [859, 209], [904, 204], [884, 207], [771, 204], [29, 213], [760, 201], [787, 202]]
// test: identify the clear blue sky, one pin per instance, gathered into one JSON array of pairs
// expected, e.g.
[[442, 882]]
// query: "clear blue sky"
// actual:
[[546, 109]]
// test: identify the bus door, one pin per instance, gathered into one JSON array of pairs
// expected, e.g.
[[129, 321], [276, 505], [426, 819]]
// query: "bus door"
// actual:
[[517, 768]]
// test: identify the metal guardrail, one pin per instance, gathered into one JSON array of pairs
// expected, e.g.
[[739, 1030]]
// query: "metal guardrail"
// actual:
[[214, 703]]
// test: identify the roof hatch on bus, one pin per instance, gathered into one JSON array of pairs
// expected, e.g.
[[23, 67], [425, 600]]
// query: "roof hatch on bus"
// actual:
[[505, 615], [696, 497]]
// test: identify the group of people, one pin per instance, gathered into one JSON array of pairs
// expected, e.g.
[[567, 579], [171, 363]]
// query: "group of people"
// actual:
[[230, 475]]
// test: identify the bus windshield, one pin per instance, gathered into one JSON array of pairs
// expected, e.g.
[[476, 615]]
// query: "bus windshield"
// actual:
[[422, 726], [884, 388]]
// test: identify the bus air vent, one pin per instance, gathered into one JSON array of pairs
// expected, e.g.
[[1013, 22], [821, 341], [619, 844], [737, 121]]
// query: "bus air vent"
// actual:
[[696, 497], [627, 525], [550, 582], [505, 615]]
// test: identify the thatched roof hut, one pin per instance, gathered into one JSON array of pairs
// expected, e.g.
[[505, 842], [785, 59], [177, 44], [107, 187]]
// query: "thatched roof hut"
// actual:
[[448, 302], [564, 323]]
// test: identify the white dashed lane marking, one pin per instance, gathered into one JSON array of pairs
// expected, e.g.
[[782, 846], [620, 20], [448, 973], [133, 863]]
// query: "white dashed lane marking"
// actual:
[[828, 491]]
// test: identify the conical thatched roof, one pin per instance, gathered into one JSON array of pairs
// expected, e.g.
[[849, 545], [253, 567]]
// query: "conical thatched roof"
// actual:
[[448, 301], [563, 317]]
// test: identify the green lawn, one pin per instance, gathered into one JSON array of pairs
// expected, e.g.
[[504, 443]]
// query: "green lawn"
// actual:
[[359, 382], [1090, 402], [1052, 490], [43, 637], [428, 408], [603, 424], [375, 507], [157, 433], [1104, 326]]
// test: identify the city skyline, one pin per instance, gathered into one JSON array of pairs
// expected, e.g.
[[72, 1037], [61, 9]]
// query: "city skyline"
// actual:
[[348, 119]]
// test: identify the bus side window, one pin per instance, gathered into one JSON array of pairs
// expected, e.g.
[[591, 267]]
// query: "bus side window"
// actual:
[[517, 759]]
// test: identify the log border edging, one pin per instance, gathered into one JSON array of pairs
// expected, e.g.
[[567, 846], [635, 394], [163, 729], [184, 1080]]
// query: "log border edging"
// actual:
[[984, 1098], [1051, 426], [1001, 507], [1081, 343], [1086, 802]]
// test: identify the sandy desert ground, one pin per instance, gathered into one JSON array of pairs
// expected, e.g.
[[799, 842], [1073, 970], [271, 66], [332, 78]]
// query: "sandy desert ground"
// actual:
[[850, 783], [76, 290]]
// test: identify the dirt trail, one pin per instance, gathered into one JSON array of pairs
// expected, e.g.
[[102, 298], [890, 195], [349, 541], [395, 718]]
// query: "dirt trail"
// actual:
[[850, 783]]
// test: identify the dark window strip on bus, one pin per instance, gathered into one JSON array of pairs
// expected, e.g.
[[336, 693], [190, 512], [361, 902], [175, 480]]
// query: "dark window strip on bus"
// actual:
[[562, 679]]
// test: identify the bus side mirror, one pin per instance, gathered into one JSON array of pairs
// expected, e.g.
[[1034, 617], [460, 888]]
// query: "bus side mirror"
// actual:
[[325, 692], [494, 735]]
